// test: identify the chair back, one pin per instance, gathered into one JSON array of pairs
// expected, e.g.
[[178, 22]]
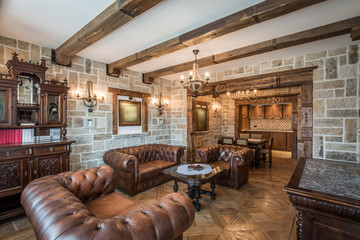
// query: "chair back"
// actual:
[[244, 135], [241, 142], [227, 140], [271, 143], [256, 136]]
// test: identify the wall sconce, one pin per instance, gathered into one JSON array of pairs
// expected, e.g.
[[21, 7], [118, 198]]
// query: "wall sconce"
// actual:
[[160, 105], [90, 99], [216, 107]]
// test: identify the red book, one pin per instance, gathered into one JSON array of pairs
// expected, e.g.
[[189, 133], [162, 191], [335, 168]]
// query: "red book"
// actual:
[[21, 135], [17, 135], [1, 136], [12, 136]]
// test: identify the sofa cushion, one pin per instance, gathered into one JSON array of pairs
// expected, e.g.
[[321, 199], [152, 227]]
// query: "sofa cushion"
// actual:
[[162, 165], [147, 170], [223, 164], [104, 207]]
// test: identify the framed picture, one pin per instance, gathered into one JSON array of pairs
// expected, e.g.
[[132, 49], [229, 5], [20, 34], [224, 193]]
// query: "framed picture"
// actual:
[[202, 116], [53, 108], [3, 105], [129, 113]]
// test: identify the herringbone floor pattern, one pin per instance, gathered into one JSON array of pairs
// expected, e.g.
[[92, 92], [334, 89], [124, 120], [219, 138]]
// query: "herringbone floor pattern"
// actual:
[[259, 210]]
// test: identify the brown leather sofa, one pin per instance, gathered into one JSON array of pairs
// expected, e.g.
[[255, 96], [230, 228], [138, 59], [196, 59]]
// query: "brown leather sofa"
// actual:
[[139, 168], [84, 205], [234, 159]]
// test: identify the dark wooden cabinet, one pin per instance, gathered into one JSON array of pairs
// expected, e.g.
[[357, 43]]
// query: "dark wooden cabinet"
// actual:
[[257, 112], [41, 105], [289, 141], [273, 111], [244, 117], [279, 142]]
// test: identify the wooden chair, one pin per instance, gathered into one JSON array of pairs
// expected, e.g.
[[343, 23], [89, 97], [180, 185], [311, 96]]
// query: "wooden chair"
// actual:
[[227, 141], [244, 135], [268, 151], [256, 136], [241, 142]]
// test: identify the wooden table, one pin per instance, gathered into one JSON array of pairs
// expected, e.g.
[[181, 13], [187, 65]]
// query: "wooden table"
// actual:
[[256, 144], [194, 183], [326, 195]]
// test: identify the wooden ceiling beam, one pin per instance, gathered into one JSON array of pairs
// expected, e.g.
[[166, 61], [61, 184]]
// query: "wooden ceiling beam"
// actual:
[[314, 34], [247, 17], [113, 17], [355, 33]]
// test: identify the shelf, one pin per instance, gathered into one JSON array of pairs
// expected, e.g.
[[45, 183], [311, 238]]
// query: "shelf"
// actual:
[[31, 126], [32, 144], [36, 107]]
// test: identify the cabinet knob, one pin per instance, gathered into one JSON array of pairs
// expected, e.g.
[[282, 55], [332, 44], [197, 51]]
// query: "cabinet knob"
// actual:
[[51, 149], [35, 172], [7, 153], [25, 173]]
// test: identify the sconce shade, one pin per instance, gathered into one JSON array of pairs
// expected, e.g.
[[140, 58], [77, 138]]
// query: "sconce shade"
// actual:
[[90, 100], [160, 105]]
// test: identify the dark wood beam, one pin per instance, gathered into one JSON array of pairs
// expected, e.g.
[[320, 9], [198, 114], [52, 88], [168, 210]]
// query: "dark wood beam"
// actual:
[[314, 34], [258, 13], [355, 33], [113, 17]]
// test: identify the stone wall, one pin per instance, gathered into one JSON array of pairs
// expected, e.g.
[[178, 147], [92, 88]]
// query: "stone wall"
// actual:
[[336, 101], [91, 143]]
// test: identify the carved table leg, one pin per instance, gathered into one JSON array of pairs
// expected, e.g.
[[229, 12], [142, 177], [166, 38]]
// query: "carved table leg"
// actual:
[[197, 196], [176, 188], [213, 194], [299, 222]]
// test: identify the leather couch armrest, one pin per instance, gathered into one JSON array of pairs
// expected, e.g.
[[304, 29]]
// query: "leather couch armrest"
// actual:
[[122, 161], [170, 153], [207, 155], [242, 156], [167, 218]]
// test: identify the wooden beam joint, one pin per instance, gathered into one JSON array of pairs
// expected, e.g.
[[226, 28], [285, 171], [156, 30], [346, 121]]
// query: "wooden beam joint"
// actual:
[[147, 79], [60, 59], [355, 33], [113, 72]]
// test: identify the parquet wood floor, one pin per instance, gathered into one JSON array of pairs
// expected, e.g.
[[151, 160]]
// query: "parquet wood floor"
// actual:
[[259, 210]]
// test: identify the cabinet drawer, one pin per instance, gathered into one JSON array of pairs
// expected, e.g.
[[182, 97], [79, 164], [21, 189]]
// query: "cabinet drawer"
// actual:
[[11, 153], [49, 149]]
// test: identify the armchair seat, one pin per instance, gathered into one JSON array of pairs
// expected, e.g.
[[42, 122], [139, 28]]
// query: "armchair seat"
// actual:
[[84, 205], [235, 159]]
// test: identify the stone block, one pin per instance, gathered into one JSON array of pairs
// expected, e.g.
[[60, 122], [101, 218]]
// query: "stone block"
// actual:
[[353, 54], [289, 61], [333, 139], [328, 131], [340, 147], [100, 65], [349, 71], [257, 69], [98, 145], [329, 84], [105, 136], [91, 156], [81, 139], [81, 148], [341, 103], [318, 75], [248, 68], [276, 63], [23, 45], [228, 72], [77, 60], [351, 127], [8, 41], [328, 123], [299, 61], [74, 131], [78, 166], [2, 55], [351, 87], [45, 52], [314, 56], [76, 68], [337, 51], [35, 53], [331, 68], [78, 122], [318, 146], [318, 108], [342, 156], [88, 65], [91, 164], [103, 107], [342, 113], [339, 93], [74, 158], [342, 60], [22, 54], [323, 94]]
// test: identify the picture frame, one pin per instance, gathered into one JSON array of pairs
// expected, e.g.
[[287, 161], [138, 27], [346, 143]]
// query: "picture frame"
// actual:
[[129, 113]]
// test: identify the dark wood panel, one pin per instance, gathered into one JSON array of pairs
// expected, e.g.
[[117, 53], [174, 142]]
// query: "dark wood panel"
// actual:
[[289, 141], [287, 111], [279, 142], [277, 111]]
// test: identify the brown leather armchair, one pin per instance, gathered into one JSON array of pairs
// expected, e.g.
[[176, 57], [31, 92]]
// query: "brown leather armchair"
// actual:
[[234, 159], [84, 205], [139, 168]]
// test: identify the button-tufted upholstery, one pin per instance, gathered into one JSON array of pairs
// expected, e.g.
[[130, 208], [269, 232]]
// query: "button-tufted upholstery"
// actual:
[[139, 168], [235, 159], [83, 205]]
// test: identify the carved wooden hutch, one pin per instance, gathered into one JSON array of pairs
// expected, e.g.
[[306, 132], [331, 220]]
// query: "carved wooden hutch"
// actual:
[[28, 101]]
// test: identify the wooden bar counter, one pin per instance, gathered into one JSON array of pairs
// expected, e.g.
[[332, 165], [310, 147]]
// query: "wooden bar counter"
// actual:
[[326, 195]]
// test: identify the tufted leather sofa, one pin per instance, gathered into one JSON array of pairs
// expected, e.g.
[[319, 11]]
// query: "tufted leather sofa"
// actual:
[[234, 159], [83, 205], [139, 168]]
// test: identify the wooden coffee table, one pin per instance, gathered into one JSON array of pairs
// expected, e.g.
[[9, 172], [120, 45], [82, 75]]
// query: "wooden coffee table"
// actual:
[[194, 183]]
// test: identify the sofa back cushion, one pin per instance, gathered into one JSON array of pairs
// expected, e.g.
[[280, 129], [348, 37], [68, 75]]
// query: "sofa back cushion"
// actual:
[[226, 151], [144, 153]]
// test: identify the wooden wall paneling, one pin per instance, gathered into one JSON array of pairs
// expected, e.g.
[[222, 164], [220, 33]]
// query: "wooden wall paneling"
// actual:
[[289, 141], [287, 111], [252, 112], [269, 111], [279, 142], [277, 110], [259, 109]]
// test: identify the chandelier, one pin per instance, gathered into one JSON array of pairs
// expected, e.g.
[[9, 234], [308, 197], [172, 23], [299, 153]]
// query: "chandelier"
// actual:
[[195, 82]]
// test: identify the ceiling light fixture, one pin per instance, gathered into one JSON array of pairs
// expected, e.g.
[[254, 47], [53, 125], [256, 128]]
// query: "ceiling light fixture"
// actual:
[[195, 82]]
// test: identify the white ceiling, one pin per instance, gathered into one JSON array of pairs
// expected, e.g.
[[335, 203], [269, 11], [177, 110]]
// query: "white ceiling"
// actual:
[[50, 23]]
